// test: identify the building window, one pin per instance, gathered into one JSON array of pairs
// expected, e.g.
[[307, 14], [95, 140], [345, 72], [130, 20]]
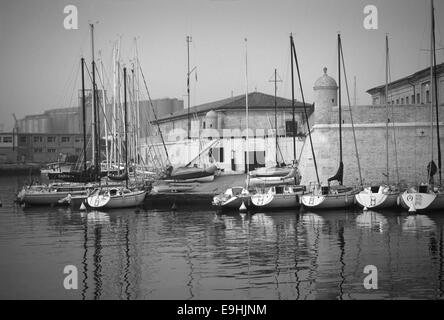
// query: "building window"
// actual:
[[65, 139], [38, 150], [38, 139], [7, 139], [78, 140], [402, 100], [397, 101], [418, 98], [51, 139], [393, 102], [290, 130], [78, 150], [23, 139], [51, 150], [413, 99], [406, 100], [427, 96]]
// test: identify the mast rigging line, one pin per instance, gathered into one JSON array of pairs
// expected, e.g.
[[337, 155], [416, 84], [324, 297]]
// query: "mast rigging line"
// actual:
[[436, 93], [393, 120], [305, 108], [351, 115], [154, 112]]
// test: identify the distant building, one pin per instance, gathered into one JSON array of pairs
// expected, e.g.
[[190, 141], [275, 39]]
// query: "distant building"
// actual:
[[413, 89], [44, 147], [8, 147], [44, 137]]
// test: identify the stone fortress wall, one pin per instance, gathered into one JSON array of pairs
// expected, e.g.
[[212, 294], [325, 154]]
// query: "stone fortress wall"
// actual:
[[409, 140]]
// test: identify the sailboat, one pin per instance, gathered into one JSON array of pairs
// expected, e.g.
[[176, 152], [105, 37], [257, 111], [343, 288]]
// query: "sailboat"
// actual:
[[238, 197], [118, 197], [332, 197], [427, 196], [284, 192], [385, 195]]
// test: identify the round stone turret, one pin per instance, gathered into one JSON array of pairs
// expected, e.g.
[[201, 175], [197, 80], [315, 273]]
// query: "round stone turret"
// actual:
[[325, 97], [211, 120]]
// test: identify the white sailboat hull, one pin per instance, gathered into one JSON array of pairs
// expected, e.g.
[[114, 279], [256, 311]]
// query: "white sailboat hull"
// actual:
[[132, 199], [275, 201], [417, 201], [329, 201], [377, 200]]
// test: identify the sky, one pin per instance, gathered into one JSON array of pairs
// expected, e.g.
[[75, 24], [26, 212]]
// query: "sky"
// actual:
[[40, 59]]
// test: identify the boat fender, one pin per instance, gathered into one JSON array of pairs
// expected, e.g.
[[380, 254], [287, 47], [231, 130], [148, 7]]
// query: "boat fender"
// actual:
[[243, 208], [82, 206]]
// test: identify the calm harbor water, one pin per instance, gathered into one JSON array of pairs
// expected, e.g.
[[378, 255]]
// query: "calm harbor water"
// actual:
[[198, 254]]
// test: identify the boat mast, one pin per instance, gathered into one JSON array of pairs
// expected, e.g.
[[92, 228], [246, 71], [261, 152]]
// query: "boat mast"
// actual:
[[305, 109], [436, 92], [114, 131], [247, 148], [82, 61], [430, 167], [137, 105], [339, 105], [105, 119], [386, 110], [188, 84], [275, 113], [125, 125], [292, 99], [93, 101]]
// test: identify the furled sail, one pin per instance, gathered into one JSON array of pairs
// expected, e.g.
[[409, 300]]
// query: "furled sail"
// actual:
[[339, 176]]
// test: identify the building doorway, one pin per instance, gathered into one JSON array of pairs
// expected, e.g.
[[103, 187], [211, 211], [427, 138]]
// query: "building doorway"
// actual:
[[257, 160]]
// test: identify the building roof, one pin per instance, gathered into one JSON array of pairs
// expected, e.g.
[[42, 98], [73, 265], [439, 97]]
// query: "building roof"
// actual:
[[408, 79], [256, 100]]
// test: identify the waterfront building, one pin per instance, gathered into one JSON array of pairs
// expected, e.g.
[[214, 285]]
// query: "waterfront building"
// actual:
[[218, 133], [410, 90]]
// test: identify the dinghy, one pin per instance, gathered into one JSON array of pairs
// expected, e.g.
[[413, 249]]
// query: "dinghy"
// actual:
[[190, 174], [232, 199], [291, 178], [270, 172]]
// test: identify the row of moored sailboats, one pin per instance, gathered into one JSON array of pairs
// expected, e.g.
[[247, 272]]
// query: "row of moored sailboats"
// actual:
[[425, 197]]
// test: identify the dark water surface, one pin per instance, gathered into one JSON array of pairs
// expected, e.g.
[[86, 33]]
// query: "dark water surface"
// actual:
[[196, 254]]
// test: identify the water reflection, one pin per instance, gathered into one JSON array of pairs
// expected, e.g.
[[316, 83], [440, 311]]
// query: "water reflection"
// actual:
[[200, 254], [372, 220], [418, 223]]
